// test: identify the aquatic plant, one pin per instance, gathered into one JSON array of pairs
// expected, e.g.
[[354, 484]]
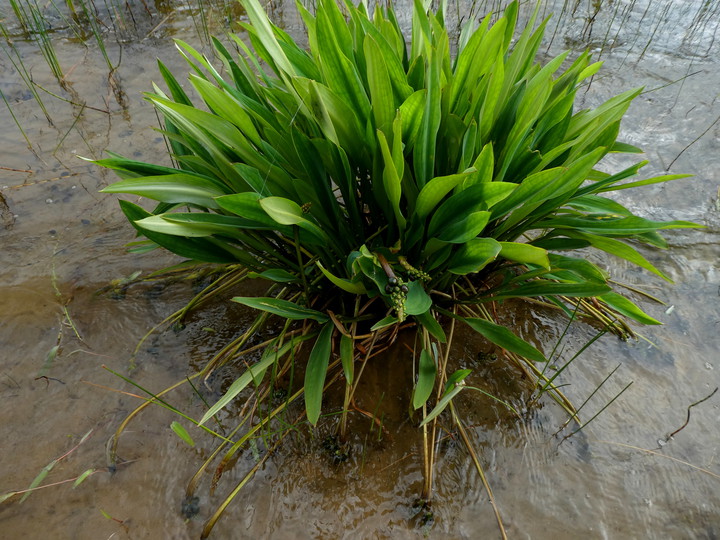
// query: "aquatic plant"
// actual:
[[384, 186]]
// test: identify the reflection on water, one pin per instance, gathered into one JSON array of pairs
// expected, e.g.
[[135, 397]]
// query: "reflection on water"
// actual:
[[602, 483]]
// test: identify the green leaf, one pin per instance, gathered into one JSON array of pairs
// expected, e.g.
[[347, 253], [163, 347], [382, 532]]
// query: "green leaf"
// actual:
[[411, 113], [474, 256], [383, 323], [264, 29], [431, 325], [427, 370], [551, 288], [353, 287], [381, 91], [392, 177], [462, 230], [454, 379], [181, 432], [501, 336], [316, 371], [254, 373], [617, 248], [434, 191], [275, 274], [196, 225], [625, 148], [281, 308], [425, 151], [179, 188], [191, 248], [625, 307], [283, 211], [612, 225], [453, 390], [84, 476], [287, 212], [245, 205], [524, 253], [458, 207], [38, 479], [347, 357], [418, 301], [484, 166], [648, 182]]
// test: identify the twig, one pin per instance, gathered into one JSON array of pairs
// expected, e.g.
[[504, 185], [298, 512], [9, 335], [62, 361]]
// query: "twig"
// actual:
[[667, 439], [478, 467], [693, 142], [655, 453]]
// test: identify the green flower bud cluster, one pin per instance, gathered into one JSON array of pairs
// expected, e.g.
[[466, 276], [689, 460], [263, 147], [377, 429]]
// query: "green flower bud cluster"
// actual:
[[398, 291], [413, 272]]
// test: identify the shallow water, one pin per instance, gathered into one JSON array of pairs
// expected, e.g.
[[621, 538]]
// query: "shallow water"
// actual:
[[63, 241]]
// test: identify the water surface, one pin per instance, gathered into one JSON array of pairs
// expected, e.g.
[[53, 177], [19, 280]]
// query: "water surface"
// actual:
[[63, 242]]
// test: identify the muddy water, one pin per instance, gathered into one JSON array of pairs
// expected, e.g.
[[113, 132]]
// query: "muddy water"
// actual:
[[62, 242]]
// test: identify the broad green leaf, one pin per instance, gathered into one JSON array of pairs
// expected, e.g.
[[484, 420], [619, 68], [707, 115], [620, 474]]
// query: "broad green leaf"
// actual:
[[551, 288], [246, 205], [180, 187], [552, 183], [392, 180], [353, 287], [411, 112], [278, 275], [648, 182], [454, 379], [428, 321], [347, 357], [197, 224], [381, 90], [425, 147], [181, 432], [625, 307], [226, 106], [287, 212], [281, 308], [502, 337], [524, 253], [458, 207], [484, 166], [462, 230], [340, 73], [580, 267], [383, 323], [625, 148], [427, 371], [418, 301], [316, 371], [283, 211], [605, 225], [474, 256], [198, 249], [617, 248], [434, 191], [264, 29]]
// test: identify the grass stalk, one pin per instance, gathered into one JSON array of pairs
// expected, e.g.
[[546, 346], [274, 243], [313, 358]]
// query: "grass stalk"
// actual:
[[478, 467]]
